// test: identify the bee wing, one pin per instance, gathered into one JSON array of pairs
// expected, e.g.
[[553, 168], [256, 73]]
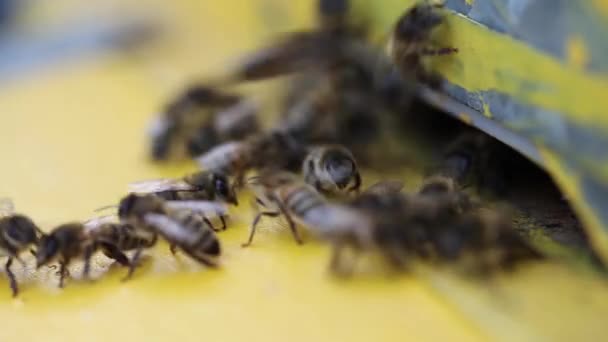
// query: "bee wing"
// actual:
[[7, 207], [385, 187], [219, 154], [201, 207], [168, 227], [158, 126], [159, 185], [95, 222]]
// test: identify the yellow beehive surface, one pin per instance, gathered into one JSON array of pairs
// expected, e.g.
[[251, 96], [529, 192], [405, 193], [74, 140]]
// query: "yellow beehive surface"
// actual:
[[72, 137]]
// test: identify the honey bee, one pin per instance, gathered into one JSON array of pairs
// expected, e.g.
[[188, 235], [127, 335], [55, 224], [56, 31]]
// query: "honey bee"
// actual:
[[476, 160], [441, 224], [410, 41], [331, 169], [71, 241], [17, 233], [182, 224], [199, 186], [274, 150], [300, 204], [200, 118], [446, 191], [486, 238], [115, 238]]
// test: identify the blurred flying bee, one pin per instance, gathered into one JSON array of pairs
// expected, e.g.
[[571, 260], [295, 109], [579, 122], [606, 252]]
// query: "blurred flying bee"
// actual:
[[440, 224], [331, 169], [398, 238], [447, 191], [476, 159], [181, 223], [273, 150], [199, 186], [486, 238], [195, 120], [410, 41], [17, 234]]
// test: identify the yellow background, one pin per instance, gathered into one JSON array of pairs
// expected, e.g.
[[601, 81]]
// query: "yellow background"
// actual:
[[72, 137]]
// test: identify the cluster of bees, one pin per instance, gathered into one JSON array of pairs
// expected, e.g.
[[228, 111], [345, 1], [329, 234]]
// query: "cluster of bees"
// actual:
[[306, 167]]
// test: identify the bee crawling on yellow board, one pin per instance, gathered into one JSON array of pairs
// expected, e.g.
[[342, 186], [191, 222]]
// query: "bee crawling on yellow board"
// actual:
[[182, 223], [17, 233], [77, 240], [410, 41], [198, 186]]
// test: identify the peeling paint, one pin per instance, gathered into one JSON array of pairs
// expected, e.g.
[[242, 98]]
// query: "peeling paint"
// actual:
[[464, 117], [486, 110], [577, 53], [541, 80], [602, 6]]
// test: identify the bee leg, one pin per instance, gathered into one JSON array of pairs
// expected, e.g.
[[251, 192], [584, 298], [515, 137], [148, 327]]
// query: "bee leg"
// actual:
[[223, 220], [88, 253], [112, 252], [336, 258], [356, 187], [210, 224], [11, 277], [439, 52], [292, 225], [63, 271], [254, 224], [23, 264], [173, 248], [133, 264]]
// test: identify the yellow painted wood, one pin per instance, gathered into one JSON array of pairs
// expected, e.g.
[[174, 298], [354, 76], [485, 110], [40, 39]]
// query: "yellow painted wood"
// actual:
[[488, 60], [491, 61], [71, 139]]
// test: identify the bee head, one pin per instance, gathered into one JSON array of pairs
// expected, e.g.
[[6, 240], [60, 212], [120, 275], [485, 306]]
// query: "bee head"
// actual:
[[418, 22], [341, 167], [222, 188], [134, 205], [47, 250], [21, 232]]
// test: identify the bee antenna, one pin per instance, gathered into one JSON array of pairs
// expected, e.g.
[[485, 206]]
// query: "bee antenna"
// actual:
[[107, 207]]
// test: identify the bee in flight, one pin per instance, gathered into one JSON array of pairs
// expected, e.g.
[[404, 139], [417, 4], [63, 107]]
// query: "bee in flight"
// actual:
[[181, 223], [199, 186], [331, 169], [17, 234]]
